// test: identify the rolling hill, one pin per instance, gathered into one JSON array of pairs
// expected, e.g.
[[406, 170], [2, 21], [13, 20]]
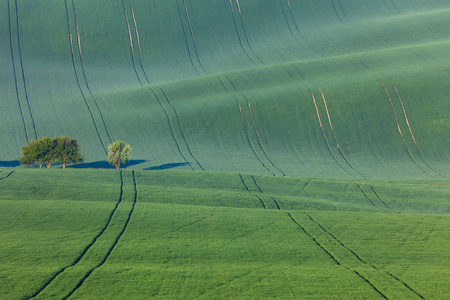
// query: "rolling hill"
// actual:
[[281, 149]]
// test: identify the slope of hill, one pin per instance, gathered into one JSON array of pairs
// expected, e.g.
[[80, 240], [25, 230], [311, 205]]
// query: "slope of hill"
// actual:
[[350, 89]]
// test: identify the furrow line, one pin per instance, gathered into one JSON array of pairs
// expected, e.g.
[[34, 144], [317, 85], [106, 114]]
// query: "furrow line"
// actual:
[[365, 195], [297, 28], [138, 42], [378, 196], [248, 190], [334, 135], [186, 39], [245, 127], [335, 10], [400, 130], [360, 259], [131, 42], [84, 73], [325, 138], [181, 128], [171, 128], [77, 260], [15, 74], [254, 126], [239, 35], [259, 188], [78, 80], [7, 175], [410, 131], [342, 9], [245, 34], [315, 241], [23, 72], [335, 259], [80, 283], [193, 39]]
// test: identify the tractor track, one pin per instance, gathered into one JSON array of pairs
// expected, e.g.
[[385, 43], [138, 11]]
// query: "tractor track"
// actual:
[[245, 127], [78, 79], [77, 260], [19, 48], [181, 128], [378, 196], [334, 258], [171, 128], [360, 259], [248, 190], [296, 26], [15, 74], [84, 73], [365, 195], [80, 283], [410, 131], [131, 42], [261, 191], [239, 35], [254, 126], [7, 176], [400, 130], [138, 42]]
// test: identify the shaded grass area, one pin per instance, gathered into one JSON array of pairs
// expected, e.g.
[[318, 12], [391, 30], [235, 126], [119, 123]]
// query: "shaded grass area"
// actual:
[[199, 235]]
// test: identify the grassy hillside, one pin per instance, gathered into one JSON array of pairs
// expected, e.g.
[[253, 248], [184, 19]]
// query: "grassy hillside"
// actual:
[[169, 234], [280, 149], [230, 86]]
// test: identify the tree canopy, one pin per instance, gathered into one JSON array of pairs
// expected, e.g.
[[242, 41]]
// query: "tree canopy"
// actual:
[[119, 153], [46, 150]]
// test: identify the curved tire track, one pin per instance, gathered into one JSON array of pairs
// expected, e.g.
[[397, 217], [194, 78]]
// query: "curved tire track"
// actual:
[[7, 176], [77, 260], [248, 190], [80, 283]]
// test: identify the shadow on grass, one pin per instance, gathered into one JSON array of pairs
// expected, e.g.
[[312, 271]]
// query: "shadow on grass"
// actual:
[[168, 166], [103, 164], [9, 164]]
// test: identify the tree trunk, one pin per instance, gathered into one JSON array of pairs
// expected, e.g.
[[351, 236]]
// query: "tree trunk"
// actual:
[[118, 166], [64, 165], [48, 165]]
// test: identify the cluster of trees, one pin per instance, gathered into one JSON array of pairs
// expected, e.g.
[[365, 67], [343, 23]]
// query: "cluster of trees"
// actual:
[[45, 151], [64, 150]]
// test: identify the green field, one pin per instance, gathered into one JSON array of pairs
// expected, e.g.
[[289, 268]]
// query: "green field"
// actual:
[[281, 149]]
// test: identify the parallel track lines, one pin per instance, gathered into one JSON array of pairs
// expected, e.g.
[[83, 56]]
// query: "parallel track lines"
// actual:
[[171, 128], [77, 260], [297, 28], [15, 74], [193, 38], [245, 127], [261, 191], [378, 196], [78, 79], [80, 283], [131, 42], [25, 89], [84, 73], [254, 126], [138, 42], [360, 259], [334, 258], [410, 131], [248, 190], [181, 128], [334, 135], [365, 195], [400, 130], [239, 35]]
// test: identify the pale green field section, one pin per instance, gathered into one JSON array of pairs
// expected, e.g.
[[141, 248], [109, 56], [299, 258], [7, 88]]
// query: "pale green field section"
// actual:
[[167, 234]]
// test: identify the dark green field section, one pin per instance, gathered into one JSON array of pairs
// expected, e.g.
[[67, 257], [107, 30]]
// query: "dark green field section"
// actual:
[[219, 236], [338, 89]]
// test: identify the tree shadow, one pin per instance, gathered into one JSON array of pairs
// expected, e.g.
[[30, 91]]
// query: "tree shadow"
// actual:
[[9, 163], [167, 166], [103, 164]]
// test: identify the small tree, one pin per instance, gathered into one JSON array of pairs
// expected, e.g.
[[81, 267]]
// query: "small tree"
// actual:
[[67, 151], [119, 153]]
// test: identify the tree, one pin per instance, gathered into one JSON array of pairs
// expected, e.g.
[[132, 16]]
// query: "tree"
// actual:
[[40, 151], [119, 153], [67, 151]]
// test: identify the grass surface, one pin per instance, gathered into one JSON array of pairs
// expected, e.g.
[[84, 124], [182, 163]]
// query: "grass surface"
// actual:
[[280, 149], [171, 234]]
